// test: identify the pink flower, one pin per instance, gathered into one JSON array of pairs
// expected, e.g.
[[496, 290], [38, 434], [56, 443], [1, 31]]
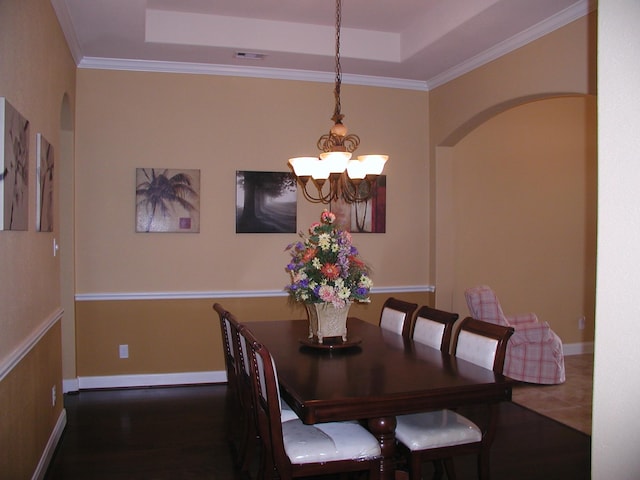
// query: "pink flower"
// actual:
[[328, 217], [327, 294]]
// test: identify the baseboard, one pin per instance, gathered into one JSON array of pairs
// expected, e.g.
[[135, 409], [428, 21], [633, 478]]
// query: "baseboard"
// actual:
[[151, 380], [577, 348], [50, 448], [69, 385]]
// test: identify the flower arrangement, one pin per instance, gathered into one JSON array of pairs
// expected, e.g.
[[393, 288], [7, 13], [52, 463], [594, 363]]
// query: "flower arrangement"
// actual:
[[325, 267]]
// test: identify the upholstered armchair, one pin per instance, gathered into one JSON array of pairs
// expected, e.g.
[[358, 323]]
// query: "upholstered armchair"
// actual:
[[534, 352]]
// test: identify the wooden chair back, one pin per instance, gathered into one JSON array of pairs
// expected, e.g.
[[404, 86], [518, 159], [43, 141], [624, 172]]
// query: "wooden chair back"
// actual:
[[227, 345], [433, 327]]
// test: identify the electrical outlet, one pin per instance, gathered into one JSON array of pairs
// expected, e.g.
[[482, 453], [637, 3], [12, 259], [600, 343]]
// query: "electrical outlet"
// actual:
[[581, 323], [124, 351], [53, 396]]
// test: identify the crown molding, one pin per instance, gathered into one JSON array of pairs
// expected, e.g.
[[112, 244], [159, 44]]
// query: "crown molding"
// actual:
[[244, 71], [64, 18]]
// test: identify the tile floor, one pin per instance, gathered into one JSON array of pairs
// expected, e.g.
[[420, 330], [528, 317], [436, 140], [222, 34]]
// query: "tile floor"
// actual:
[[569, 403]]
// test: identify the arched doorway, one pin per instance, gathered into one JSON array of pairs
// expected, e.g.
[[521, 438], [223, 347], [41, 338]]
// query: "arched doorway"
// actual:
[[515, 208]]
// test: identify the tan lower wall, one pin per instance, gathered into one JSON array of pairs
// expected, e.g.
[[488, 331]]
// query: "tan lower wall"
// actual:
[[172, 336], [27, 417]]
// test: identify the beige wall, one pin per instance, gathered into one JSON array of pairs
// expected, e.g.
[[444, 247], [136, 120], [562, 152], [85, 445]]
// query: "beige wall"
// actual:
[[36, 71], [27, 416], [220, 125], [524, 212], [561, 63], [180, 336]]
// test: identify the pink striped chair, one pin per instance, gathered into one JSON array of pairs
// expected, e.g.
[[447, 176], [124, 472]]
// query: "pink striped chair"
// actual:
[[534, 353]]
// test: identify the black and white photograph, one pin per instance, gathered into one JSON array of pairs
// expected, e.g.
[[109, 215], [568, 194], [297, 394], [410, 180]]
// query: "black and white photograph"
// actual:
[[265, 202]]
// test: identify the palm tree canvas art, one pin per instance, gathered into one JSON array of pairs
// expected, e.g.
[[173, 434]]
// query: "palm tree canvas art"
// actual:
[[167, 200], [14, 168]]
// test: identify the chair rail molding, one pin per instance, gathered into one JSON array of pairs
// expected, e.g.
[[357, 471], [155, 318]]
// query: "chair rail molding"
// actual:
[[15, 357], [85, 297]]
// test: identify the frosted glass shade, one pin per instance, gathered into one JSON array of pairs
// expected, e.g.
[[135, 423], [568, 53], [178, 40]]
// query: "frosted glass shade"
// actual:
[[373, 164]]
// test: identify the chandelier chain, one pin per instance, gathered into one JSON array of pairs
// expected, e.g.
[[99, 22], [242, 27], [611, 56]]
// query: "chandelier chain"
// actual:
[[337, 115]]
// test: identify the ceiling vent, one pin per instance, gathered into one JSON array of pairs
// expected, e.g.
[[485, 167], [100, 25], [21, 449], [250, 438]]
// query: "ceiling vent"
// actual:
[[250, 55]]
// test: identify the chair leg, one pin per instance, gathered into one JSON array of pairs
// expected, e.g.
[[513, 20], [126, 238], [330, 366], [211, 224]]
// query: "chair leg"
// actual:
[[448, 466], [415, 467], [483, 465], [437, 470], [248, 444]]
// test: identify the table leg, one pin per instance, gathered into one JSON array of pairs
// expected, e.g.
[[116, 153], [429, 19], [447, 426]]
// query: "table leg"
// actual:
[[384, 429]]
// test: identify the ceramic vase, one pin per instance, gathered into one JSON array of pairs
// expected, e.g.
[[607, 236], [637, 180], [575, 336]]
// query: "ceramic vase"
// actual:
[[325, 320]]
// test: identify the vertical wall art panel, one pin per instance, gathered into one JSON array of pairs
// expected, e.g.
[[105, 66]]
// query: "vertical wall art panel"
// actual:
[[167, 200], [265, 202], [44, 194], [364, 217], [14, 168]]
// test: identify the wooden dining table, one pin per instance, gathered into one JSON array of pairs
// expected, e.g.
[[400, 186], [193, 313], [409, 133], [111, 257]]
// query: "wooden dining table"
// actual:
[[375, 377]]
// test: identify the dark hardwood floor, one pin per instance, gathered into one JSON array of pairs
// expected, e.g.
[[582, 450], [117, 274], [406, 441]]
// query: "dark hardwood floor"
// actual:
[[178, 433]]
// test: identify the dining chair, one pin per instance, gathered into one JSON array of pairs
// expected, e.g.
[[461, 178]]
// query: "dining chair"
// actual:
[[293, 449], [433, 327], [443, 434], [245, 429], [233, 393], [396, 316]]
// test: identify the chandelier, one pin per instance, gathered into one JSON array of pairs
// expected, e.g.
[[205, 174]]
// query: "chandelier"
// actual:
[[351, 180]]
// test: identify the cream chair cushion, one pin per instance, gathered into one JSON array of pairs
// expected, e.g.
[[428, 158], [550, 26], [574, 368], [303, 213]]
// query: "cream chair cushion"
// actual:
[[286, 412], [477, 349], [393, 320], [327, 442], [428, 332], [422, 431]]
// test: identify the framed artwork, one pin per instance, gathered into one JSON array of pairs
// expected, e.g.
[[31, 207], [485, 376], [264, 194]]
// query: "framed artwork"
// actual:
[[44, 177], [14, 168], [266, 202], [167, 200], [364, 217]]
